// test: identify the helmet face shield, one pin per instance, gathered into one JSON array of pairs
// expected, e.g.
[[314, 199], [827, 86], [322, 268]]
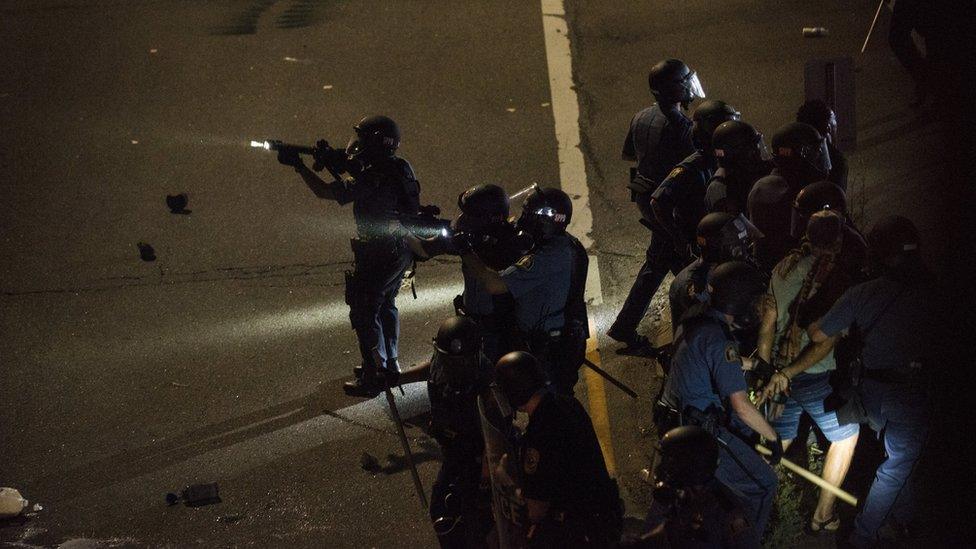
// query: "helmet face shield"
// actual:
[[355, 146], [691, 83], [818, 157]]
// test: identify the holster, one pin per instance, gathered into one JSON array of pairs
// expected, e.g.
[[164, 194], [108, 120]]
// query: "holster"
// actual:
[[710, 420], [665, 417]]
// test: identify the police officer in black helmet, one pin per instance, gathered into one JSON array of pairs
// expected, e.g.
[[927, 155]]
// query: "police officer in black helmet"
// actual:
[[801, 155], [679, 202], [895, 315], [459, 373], [823, 118], [481, 227], [690, 507], [571, 499], [541, 296], [742, 158], [659, 138], [721, 237], [383, 190], [706, 385]]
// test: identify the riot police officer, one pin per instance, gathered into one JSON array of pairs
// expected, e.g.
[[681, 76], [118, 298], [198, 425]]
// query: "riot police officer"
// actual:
[[819, 115], [742, 158], [481, 227], [679, 202], [894, 315], [659, 138], [770, 206], [706, 386], [721, 237], [571, 499], [382, 189], [690, 507], [542, 292], [801, 155], [459, 373]]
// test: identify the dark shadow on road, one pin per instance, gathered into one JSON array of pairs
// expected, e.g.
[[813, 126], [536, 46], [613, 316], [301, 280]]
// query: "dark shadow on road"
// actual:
[[137, 462]]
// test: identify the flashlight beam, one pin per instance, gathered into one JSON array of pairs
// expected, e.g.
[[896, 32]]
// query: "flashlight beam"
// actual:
[[815, 479]]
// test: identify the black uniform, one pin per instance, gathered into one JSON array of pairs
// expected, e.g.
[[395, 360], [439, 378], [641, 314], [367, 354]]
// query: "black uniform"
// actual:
[[455, 424], [381, 193], [659, 140], [563, 465], [729, 192], [682, 194]]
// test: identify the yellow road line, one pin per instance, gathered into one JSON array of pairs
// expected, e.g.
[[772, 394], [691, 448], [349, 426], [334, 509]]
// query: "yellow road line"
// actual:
[[596, 394]]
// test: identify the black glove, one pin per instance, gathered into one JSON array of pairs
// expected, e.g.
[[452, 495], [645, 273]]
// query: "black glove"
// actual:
[[290, 157], [777, 448]]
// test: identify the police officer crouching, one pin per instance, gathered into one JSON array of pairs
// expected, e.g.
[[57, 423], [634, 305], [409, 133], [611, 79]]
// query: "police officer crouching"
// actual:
[[383, 190], [571, 499], [706, 386], [691, 508], [459, 373], [542, 294]]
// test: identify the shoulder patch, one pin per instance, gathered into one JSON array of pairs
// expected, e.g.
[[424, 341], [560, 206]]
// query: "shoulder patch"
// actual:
[[531, 461], [731, 353], [676, 172], [525, 263]]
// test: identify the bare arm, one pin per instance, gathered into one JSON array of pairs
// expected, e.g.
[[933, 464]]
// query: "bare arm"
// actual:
[[816, 334], [490, 279], [750, 415], [811, 355], [767, 330]]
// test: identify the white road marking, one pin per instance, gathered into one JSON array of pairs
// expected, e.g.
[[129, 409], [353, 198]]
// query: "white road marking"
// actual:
[[565, 111]]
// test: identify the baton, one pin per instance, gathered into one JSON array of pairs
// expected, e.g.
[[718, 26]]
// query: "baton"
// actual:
[[873, 22], [406, 446], [610, 378], [841, 494]]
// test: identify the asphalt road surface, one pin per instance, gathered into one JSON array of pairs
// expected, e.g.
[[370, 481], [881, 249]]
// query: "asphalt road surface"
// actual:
[[222, 360]]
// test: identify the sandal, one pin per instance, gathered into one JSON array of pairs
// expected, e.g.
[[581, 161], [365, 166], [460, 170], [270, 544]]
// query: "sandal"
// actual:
[[819, 527]]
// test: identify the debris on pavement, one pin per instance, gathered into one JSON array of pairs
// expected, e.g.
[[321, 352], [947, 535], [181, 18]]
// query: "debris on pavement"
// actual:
[[146, 251], [196, 495], [177, 203], [11, 503], [231, 518]]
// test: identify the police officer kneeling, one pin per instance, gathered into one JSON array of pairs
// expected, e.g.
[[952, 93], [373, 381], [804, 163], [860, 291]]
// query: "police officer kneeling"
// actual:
[[459, 372], [571, 499], [706, 386]]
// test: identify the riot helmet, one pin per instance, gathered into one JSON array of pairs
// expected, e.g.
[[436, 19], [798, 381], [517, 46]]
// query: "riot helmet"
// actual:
[[736, 289], [481, 206], [738, 144], [800, 148], [672, 81], [376, 137], [689, 457], [519, 376], [819, 115], [708, 116], [822, 195], [893, 239], [724, 237], [458, 352], [546, 213]]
